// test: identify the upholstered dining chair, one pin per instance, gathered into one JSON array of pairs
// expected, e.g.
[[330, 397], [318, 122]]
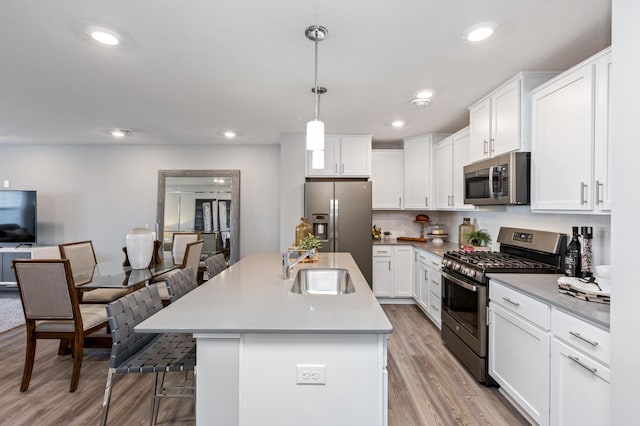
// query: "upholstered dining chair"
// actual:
[[215, 264], [191, 260], [51, 310], [179, 241], [83, 259]]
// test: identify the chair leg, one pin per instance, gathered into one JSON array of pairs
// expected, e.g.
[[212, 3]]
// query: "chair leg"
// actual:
[[29, 357], [78, 351], [158, 384], [63, 349], [107, 397]]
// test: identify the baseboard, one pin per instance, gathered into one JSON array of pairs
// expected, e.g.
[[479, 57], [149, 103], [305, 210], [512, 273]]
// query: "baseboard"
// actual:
[[396, 301]]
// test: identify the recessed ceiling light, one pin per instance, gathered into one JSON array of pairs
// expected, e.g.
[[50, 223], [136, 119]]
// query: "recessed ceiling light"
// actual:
[[104, 35], [481, 31], [425, 94], [398, 123], [229, 134], [120, 133]]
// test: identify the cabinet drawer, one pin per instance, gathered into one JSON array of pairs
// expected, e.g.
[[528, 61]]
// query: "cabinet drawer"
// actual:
[[435, 261], [435, 283], [422, 256], [583, 336], [533, 310], [384, 251]]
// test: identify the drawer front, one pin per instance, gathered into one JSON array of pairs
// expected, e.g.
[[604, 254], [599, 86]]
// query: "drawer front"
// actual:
[[382, 251], [533, 310], [422, 256], [581, 335], [435, 261], [435, 282]]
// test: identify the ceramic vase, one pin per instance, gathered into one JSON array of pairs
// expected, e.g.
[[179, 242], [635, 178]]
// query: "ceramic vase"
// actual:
[[139, 242]]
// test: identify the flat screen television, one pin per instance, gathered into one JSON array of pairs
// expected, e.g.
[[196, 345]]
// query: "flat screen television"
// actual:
[[18, 224]]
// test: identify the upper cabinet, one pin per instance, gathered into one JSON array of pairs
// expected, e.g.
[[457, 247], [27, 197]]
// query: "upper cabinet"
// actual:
[[386, 177], [418, 171], [344, 156], [570, 158], [451, 155], [499, 122]]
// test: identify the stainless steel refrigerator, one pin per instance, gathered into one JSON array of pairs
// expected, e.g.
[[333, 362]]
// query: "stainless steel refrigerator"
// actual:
[[340, 213]]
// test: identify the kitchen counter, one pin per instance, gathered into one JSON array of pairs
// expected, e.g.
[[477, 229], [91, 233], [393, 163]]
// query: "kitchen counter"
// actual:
[[251, 296], [544, 287], [439, 249], [259, 347]]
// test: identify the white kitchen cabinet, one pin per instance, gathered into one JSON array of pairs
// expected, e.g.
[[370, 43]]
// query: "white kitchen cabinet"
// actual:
[[386, 177], [499, 122], [427, 285], [451, 155], [344, 156], [519, 344], [570, 136], [418, 171], [393, 271], [579, 366]]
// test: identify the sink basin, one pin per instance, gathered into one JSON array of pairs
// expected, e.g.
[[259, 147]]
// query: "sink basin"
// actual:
[[323, 281]]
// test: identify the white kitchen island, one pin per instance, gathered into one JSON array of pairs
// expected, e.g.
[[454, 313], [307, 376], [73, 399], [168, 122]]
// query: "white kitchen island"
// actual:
[[268, 356]]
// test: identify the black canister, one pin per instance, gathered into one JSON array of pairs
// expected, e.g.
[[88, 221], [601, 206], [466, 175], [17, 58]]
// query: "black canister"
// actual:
[[586, 253]]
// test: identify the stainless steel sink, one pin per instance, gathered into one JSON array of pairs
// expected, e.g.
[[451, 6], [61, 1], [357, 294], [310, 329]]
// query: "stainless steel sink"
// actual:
[[323, 281]]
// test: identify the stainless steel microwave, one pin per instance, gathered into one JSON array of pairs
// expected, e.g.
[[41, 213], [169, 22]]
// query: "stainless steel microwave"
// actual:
[[501, 180]]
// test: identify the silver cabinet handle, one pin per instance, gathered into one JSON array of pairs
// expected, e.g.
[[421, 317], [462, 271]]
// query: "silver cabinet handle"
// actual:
[[399, 201], [335, 168], [435, 263], [453, 201], [492, 147], [506, 299], [583, 196], [584, 339], [581, 364], [382, 251], [342, 168], [389, 265], [599, 185], [486, 144], [426, 201]]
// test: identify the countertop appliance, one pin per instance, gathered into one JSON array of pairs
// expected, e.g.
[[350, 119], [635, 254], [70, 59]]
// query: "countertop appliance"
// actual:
[[501, 180], [340, 213], [465, 288]]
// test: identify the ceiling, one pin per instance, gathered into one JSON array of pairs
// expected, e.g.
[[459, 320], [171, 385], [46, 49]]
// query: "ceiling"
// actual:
[[185, 71]]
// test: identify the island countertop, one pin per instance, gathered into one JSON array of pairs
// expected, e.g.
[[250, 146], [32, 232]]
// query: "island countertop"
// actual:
[[251, 297]]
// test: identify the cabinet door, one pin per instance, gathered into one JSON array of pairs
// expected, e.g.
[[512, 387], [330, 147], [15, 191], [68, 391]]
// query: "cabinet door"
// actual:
[[480, 125], [519, 361], [435, 300], [444, 174], [402, 271], [417, 170], [386, 175], [6, 272], [602, 171], [505, 119], [382, 277], [579, 388], [331, 143], [562, 143], [416, 275], [460, 159], [423, 271], [355, 156]]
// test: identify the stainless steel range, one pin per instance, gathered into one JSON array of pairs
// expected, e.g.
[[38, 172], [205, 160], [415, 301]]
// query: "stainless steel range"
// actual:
[[465, 298]]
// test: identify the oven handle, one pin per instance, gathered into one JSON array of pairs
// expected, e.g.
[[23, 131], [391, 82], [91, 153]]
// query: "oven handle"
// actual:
[[491, 181], [459, 282]]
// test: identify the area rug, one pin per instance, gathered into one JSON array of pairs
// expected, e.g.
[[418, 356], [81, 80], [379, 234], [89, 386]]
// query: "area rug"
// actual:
[[11, 314]]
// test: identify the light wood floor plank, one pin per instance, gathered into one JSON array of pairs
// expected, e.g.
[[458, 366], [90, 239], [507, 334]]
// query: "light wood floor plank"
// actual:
[[427, 386]]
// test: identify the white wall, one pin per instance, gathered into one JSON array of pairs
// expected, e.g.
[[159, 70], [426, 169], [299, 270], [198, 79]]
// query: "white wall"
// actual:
[[625, 293], [96, 192], [292, 176]]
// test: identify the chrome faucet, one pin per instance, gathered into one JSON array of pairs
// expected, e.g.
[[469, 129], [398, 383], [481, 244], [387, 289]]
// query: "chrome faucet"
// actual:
[[287, 264]]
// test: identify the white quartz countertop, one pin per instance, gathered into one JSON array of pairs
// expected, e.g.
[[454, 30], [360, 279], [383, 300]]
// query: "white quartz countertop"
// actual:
[[251, 297], [544, 287]]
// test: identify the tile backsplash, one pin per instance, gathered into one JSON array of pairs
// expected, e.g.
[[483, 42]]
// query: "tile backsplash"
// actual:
[[401, 223]]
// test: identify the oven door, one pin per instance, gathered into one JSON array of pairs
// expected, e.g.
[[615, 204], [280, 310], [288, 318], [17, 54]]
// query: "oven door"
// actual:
[[464, 310]]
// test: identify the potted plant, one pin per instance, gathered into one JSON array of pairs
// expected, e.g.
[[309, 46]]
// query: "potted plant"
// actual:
[[310, 242], [478, 238]]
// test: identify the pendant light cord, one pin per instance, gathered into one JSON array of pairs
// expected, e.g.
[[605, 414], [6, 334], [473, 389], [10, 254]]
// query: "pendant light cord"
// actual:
[[317, 103]]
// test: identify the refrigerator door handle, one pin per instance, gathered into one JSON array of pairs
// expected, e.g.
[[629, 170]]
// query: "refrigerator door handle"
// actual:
[[336, 222]]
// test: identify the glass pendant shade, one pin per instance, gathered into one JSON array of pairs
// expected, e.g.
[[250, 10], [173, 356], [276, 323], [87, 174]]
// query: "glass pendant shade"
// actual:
[[315, 135], [317, 159]]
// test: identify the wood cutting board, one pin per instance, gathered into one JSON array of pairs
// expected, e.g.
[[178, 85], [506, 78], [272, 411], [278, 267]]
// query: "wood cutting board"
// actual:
[[422, 240]]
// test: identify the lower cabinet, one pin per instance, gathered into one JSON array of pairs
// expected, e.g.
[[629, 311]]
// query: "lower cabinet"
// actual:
[[427, 284], [553, 365], [7, 276], [393, 271]]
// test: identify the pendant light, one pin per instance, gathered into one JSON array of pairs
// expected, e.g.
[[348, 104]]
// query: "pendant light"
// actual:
[[315, 128]]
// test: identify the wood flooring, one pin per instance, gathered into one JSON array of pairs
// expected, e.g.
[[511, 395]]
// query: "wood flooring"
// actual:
[[427, 386]]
